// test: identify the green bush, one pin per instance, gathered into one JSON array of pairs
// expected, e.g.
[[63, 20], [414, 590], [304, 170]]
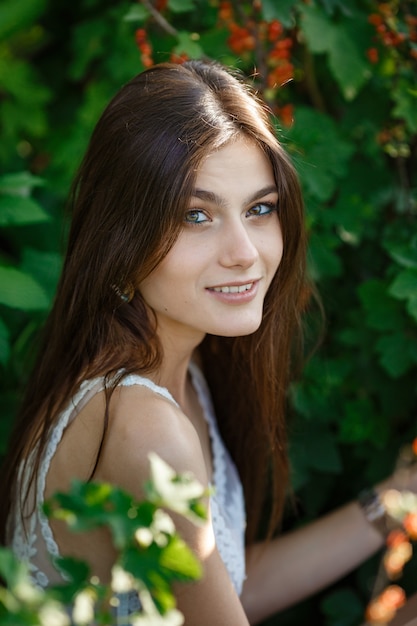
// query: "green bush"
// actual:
[[151, 555], [341, 78]]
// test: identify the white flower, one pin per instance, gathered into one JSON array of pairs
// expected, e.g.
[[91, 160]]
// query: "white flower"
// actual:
[[174, 490]]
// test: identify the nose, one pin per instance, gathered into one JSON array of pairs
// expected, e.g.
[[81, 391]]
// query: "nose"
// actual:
[[237, 245]]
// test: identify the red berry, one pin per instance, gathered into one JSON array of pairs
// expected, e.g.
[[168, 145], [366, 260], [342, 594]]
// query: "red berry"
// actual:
[[410, 525], [393, 597], [372, 54]]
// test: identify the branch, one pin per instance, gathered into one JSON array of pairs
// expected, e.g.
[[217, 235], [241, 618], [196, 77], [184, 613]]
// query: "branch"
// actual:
[[311, 82], [159, 18]]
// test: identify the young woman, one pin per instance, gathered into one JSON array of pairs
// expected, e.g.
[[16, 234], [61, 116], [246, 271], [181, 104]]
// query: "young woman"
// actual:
[[180, 300]]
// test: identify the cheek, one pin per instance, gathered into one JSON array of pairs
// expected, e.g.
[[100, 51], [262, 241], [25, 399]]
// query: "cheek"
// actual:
[[168, 282], [274, 248]]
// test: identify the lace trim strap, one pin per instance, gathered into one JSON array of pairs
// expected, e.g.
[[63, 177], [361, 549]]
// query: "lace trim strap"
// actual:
[[135, 379]]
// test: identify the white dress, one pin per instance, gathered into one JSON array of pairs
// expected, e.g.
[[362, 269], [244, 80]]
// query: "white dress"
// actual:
[[34, 542]]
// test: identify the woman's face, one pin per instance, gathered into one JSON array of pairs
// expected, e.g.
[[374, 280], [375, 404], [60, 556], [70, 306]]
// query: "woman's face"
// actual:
[[215, 277]]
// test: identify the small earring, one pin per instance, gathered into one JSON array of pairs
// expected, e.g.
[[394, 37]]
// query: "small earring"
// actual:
[[126, 294]]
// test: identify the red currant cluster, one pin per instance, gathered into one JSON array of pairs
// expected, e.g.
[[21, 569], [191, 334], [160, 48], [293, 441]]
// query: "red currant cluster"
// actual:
[[401, 507], [271, 47], [145, 47], [396, 28], [281, 68], [178, 58], [395, 141], [240, 39], [383, 609]]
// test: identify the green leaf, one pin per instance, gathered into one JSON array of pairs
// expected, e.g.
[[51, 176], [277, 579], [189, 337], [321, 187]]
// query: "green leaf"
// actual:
[[382, 311], [78, 571], [45, 267], [395, 354], [346, 59], [136, 13], [89, 40], [332, 5], [11, 569], [360, 423], [412, 306], [20, 291], [179, 559], [4, 343], [214, 43], [161, 592], [342, 607], [406, 104], [405, 284], [181, 6], [19, 183], [87, 506], [17, 15], [324, 453], [323, 153], [323, 261], [349, 67], [26, 99], [281, 11], [318, 29], [403, 254], [315, 448], [16, 210], [187, 45]]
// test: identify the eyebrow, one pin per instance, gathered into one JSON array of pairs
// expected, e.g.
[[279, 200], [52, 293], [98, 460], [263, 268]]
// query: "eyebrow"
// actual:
[[210, 196]]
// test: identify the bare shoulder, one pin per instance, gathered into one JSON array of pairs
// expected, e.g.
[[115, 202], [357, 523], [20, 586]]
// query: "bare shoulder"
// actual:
[[141, 422]]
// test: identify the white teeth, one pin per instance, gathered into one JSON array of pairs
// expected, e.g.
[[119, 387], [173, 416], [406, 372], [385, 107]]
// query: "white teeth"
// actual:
[[233, 288]]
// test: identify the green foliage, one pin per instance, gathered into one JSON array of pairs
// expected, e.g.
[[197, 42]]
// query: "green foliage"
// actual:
[[342, 608], [343, 45], [151, 555], [340, 77]]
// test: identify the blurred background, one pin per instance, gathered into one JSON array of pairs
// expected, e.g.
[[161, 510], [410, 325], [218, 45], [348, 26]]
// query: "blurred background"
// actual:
[[341, 79]]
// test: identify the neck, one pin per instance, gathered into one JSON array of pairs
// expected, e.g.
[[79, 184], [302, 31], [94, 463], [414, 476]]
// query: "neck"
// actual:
[[173, 373]]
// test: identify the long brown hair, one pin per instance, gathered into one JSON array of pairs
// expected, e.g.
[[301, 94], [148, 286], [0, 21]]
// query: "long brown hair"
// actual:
[[127, 206]]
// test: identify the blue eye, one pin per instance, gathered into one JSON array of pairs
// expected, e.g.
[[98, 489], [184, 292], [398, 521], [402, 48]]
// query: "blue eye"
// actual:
[[263, 208], [195, 216]]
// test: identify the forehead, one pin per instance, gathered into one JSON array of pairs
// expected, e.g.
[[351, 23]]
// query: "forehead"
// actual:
[[241, 162]]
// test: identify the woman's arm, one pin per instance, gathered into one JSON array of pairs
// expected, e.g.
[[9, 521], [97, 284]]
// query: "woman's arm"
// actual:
[[300, 563], [157, 426]]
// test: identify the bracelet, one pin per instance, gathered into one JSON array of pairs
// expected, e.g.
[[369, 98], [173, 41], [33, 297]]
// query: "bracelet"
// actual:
[[374, 510]]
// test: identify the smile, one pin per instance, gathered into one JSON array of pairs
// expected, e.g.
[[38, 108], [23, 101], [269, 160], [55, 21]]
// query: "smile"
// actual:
[[232, 288]]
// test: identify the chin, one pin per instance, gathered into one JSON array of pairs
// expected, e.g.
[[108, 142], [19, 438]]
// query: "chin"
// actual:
[[241, 330]]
